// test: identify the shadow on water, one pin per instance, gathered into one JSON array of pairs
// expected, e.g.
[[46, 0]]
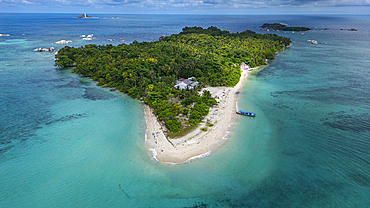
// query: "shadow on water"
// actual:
[[97, 94], [348, 121]]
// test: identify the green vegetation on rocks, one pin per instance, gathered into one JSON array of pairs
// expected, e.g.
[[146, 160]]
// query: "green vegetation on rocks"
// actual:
[[148, 70]]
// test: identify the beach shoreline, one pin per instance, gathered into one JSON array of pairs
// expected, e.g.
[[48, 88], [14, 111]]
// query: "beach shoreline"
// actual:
[[197, 143]]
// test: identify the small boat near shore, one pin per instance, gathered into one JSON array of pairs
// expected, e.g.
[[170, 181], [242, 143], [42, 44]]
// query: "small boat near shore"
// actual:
[[246, 113]]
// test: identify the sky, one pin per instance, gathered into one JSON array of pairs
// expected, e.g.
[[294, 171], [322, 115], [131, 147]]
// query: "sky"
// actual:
[[187, 6]]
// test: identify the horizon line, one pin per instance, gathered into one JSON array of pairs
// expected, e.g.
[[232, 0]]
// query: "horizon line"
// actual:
[[249, 14]]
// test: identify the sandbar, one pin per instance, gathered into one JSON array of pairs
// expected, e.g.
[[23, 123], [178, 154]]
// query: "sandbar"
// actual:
[[197, 143]]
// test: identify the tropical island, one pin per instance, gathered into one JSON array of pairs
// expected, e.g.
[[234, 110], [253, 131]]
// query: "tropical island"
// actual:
[[282, 27], [181, 79]]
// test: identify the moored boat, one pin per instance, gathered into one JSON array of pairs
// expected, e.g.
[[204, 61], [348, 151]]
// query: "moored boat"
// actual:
[[246, 113]]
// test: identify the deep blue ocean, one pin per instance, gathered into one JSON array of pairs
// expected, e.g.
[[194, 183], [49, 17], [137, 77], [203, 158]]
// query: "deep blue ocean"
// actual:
[[65, 142]]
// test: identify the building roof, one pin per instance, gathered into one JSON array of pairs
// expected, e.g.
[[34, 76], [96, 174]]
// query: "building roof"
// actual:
[[188, 82], [181, 86], [185, 83]]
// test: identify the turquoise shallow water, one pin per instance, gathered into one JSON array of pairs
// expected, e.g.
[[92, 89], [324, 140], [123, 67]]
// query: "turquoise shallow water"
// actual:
[[65, 142]]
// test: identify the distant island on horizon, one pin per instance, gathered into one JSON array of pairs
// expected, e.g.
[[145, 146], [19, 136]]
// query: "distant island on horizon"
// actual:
[[84, 15], [283, 27]]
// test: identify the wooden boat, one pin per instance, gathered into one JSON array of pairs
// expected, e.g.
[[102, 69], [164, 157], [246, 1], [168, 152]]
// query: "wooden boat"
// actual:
[[246, 113]]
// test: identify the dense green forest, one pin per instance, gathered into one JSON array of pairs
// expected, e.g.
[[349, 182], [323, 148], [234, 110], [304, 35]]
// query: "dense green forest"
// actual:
[[148, 70], [282, 27]]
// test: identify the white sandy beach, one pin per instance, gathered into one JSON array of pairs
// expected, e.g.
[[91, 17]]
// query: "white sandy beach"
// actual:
[[197, 143]]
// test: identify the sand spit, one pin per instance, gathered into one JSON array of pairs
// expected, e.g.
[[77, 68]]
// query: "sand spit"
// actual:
[[197, 143]]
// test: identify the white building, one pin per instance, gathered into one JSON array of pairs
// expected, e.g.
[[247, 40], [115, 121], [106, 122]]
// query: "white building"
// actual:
[[183, 84]]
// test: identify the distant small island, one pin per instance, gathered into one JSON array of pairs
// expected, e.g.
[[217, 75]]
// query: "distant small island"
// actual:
[[84, 16], [282, 27], [352, 29]]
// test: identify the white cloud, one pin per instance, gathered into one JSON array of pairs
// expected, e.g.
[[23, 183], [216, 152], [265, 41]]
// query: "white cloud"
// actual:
[[188, 5], [258, 3]]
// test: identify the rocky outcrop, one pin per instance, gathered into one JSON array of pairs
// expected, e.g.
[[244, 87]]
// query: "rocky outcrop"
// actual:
[[63, 42], [315, 42], [44, 49], [162, 36], [245, 67], [89, 37], [312, 42]]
